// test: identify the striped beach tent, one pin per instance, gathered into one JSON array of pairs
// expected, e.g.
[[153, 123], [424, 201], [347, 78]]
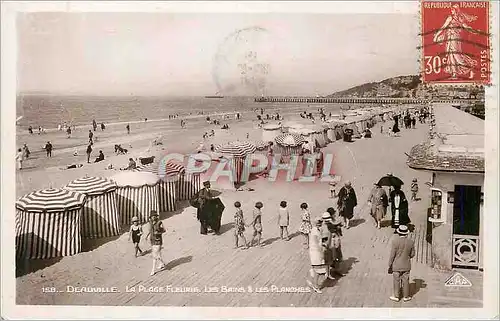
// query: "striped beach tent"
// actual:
[[237, 152], [289, 144], [137, 195], [99, 214], [167, 188], [187, 184], [48, 224]]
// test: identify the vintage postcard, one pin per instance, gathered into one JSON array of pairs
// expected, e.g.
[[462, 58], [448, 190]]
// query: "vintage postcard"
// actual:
[[203, 160]]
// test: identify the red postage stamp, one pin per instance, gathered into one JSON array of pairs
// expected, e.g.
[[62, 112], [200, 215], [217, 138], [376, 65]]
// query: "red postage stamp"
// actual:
[[455, 42]]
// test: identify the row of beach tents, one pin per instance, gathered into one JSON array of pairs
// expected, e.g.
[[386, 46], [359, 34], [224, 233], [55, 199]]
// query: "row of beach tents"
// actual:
[[52, 222]]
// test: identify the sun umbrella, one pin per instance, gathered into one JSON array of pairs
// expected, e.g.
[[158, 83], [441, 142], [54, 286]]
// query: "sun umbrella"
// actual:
[[390, 180], [51, 200], [289, 139], [236, 149], [92, 185], [261, 145]]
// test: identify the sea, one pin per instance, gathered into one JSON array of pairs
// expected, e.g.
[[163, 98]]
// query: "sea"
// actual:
[[49, 111]]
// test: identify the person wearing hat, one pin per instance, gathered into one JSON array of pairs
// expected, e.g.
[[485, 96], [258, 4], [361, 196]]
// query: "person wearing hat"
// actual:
[[135, 233], [346, 202], [257, 224], [414, 189], [399, 207], [402, 251], [334, 226], [203, 213], [379, 202], [317, 250], [326, 239], [155, 235]]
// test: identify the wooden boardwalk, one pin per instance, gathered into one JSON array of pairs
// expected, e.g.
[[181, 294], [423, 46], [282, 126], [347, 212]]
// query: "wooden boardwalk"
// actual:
[[203, 262]]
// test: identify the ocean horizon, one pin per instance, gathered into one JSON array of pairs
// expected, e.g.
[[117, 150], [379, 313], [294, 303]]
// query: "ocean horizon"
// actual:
[[48, 110]]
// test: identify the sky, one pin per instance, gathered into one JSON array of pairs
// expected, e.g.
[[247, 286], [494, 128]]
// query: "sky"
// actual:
[[192, 54]]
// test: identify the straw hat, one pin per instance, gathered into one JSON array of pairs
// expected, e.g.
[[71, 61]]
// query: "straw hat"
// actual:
[[135, 219], [326, 216], [402, 230]]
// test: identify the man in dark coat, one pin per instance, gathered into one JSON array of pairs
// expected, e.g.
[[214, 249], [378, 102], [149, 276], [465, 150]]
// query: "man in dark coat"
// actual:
[[399, 208], [209, 209], [346, 202]]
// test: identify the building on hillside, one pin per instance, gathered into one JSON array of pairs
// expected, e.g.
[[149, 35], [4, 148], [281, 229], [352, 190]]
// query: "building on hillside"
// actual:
[[454, 158]]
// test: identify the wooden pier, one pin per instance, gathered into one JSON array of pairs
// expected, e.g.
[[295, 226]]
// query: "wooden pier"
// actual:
[[358, 100]]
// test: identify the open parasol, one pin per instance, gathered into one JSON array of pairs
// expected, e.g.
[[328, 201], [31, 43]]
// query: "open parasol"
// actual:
[[236, 149], [289, 139], [390, 180]]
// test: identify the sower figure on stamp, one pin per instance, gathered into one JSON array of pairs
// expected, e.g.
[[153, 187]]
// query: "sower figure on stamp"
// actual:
[[402, 251], [458, 63]]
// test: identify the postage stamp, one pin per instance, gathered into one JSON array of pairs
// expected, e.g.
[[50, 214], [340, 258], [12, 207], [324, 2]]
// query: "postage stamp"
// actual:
[[455, 42]]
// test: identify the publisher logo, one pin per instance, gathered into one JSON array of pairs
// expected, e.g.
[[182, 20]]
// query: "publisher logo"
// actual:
[[457, 279]]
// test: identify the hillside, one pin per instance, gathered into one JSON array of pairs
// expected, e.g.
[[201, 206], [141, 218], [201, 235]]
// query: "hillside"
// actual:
[[401, 86]]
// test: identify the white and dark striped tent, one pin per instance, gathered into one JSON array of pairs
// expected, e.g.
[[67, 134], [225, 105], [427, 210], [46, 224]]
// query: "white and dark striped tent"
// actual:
[[237, 152], [289, 144], [137, 195], [100, 214], [48, 224], [187, 184], [167, 188]]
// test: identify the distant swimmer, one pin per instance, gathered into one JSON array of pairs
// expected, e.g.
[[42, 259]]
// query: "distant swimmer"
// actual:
[[128, 128]]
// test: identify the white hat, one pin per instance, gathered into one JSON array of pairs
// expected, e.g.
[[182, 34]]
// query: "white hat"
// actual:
[[402, 230]]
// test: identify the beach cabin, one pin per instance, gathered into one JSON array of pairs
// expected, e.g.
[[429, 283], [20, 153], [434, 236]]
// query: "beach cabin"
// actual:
[[137, 195], [270, 131], [48, 224], [99, 214], [454, 159], [167, 186]]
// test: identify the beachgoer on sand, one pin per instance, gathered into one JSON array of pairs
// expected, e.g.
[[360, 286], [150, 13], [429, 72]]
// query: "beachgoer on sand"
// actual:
[[155, 235], [26, 151], [414, 189], [283, 220], [68, 132], [91, 135], [239, 226], [131, 164], [89, 152], [257, 224], [305, 225], [19, 158], [100, 157], [48, 148], [128, 128], [332, 186], [135, 233]]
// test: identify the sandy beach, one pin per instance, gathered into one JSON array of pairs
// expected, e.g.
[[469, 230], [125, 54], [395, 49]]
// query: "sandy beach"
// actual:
[[204, 262]]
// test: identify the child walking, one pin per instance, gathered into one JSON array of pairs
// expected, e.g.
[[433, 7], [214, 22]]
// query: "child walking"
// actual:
[[239, 226], [257, 224], [135, 234], [414, 189], [283, 220], [305, 226]]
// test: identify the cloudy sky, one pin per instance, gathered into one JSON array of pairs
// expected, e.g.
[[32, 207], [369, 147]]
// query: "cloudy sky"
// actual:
[[187, 54]]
